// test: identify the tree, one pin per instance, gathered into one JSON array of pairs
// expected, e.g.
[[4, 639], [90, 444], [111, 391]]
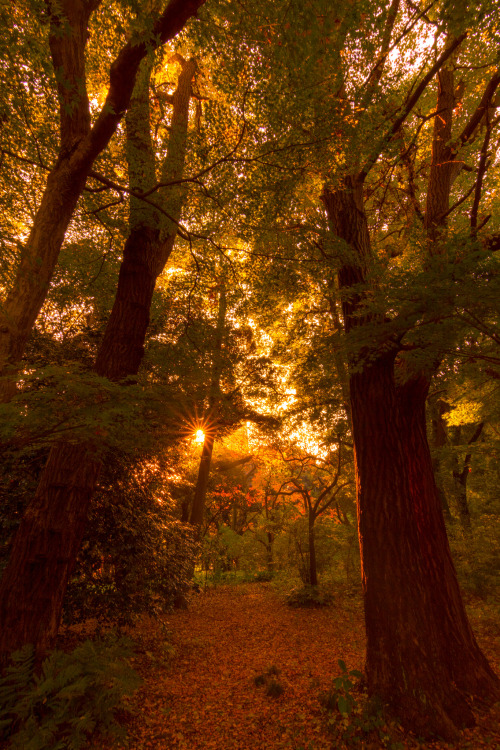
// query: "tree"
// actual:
[[53, 525], [80, 144], [419, 639], [316, 481]]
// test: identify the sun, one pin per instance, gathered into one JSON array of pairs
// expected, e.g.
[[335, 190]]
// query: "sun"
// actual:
[[199, 436]]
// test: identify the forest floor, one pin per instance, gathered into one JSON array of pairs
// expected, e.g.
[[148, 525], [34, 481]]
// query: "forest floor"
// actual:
[[199, 673]]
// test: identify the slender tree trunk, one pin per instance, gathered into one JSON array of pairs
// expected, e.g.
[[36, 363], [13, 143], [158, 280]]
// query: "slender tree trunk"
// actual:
[[460, 487], [270, 551], [28, 613], [198, 507], [439, 440], [461, 475], [311, 541]]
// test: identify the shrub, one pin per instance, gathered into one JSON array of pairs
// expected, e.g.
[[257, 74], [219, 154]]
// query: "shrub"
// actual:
[[477, 556], [263, 576], [309, 596], [74, 695], [136, 557], [362, 718]]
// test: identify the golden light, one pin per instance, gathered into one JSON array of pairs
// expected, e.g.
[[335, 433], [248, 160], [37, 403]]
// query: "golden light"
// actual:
[[200, 436]]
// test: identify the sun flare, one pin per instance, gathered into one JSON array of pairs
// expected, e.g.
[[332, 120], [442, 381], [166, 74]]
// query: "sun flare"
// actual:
[[199, 436]]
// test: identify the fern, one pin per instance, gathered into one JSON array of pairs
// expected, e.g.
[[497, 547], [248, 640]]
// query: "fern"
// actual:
[[73, 695]]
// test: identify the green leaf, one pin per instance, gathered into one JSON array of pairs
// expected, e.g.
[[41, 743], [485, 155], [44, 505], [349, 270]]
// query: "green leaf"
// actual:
[[343, 705]]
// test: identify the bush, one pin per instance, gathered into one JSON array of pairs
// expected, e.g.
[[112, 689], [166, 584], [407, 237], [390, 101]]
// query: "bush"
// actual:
[[269, 679], [361, 718], [309, 596], [136, 557], [74, 695]]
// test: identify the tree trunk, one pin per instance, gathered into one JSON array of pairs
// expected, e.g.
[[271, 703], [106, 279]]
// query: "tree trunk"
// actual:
[[422, 658], [47, 541], [270, 551], [313, 571], [460, 486], [198, 507], [28, 613], [461, 475], [439, 440]]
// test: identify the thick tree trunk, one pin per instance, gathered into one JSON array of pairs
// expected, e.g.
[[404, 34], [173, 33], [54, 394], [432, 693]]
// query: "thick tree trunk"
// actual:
[[27, 294], [422, 658], [48, 539], [122, 347]]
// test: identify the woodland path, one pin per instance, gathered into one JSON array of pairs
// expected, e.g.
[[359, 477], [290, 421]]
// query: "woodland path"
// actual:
[[203, 695]]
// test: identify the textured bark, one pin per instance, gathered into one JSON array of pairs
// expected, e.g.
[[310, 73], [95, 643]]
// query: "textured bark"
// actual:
[[422, 658], [79, 147], [48, 540], [122, 348]]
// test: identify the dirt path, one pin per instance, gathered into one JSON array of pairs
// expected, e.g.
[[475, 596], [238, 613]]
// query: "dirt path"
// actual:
[[204, 696]]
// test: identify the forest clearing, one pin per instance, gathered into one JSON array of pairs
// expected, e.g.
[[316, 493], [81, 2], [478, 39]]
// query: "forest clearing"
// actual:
[[202, 693], [249, 332]]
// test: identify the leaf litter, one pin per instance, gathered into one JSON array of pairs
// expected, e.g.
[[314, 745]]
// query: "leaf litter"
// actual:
[[208, 669]]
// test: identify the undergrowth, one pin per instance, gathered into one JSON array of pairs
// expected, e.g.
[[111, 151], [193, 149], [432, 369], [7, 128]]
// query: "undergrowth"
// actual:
[[360, 718], [74, 695], [309, 596]]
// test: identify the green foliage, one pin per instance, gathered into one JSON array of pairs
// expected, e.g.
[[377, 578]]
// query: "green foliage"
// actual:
[[309, 597], [361, 718], [73, 696], [136, 556], [477, 556], [340, 697]]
